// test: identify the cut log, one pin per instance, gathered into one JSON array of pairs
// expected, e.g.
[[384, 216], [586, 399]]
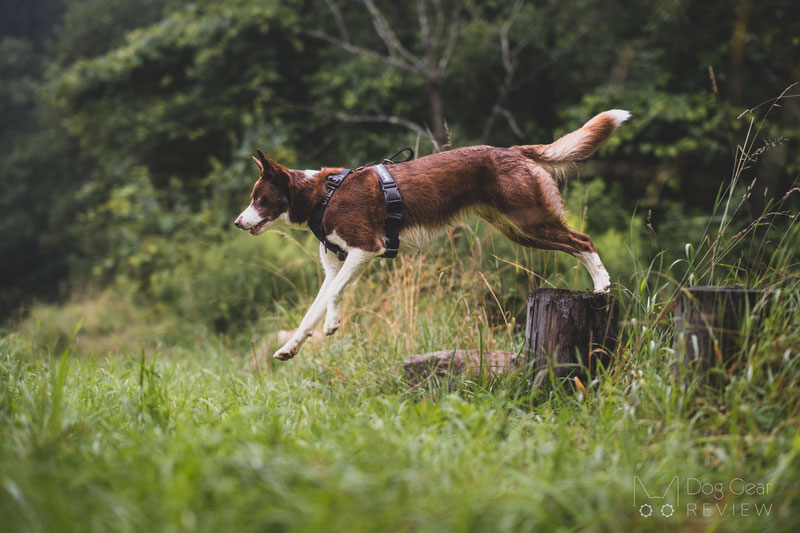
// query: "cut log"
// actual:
[[571, 332], [713, 323], [451, 363]]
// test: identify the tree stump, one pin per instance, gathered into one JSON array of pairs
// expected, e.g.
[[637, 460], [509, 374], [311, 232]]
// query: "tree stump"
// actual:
[[713, 323], [449, 363], [571, 332]]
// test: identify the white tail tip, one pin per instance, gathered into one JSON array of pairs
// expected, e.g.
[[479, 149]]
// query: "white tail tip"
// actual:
[[619, 115]]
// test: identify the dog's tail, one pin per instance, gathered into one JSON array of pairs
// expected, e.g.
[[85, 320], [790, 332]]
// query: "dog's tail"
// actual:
[[578, 145]]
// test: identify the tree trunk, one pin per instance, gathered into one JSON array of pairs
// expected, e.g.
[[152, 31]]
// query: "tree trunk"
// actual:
[[437, 110], [713, 323], [571, 332]]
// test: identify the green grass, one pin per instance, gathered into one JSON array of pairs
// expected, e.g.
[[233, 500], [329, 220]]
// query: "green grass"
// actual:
[[201, 440]]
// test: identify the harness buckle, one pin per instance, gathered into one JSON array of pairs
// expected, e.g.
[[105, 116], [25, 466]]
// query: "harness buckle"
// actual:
[[392, 195]]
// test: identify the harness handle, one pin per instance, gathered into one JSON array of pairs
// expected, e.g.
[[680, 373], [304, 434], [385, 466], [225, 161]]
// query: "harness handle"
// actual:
[[410, 156]]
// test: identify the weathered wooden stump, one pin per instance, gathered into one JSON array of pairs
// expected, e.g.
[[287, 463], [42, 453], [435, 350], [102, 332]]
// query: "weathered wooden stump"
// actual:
[[450, 363], [571, 331], [712, 323]]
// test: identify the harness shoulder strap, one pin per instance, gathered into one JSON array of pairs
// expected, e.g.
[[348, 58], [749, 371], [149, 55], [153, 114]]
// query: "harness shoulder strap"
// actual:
[[394, 211]]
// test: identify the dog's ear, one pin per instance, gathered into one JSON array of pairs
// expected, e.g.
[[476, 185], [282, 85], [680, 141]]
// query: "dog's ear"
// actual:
[[260, 165], [268, 166], [272, 171]]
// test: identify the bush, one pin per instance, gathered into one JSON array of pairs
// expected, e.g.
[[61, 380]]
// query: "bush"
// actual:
[[234, 282]]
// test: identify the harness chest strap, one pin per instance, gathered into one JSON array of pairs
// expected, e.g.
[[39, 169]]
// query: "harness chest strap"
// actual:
[[394, 215], [332, 183]]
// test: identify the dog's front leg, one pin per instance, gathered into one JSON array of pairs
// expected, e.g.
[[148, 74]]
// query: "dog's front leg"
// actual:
[[357, 260], [331, 265]]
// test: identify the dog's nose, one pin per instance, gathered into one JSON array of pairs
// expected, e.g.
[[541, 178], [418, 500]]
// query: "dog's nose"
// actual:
[[238, 222]]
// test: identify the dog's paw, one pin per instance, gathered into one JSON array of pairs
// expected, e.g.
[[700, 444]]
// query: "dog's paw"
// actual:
[[331, 326], [603, 289], [286, 353]]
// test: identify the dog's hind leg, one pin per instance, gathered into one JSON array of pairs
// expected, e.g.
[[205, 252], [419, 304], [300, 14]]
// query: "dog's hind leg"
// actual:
[[555, 235], [579, 245], [356, 262], [600, 277], [331, 265]]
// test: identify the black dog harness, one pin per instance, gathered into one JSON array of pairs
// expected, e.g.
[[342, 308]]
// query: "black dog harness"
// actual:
[[394, 206]]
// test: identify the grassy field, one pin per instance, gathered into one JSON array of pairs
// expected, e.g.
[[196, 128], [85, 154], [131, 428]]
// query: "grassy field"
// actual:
[[116, 416], [214, 436]]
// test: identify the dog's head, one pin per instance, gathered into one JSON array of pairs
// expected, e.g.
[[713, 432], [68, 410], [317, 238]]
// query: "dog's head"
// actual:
[[269, 200]]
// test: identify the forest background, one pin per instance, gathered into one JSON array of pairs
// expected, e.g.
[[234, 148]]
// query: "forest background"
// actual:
[[127, 125]]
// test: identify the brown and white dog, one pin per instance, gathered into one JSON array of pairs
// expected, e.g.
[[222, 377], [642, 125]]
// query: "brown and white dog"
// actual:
[[511, 188]]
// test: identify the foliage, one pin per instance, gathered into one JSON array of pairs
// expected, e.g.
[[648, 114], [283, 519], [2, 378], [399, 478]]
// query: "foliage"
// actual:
[[142, 101], [166, 94], [236, 283]]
